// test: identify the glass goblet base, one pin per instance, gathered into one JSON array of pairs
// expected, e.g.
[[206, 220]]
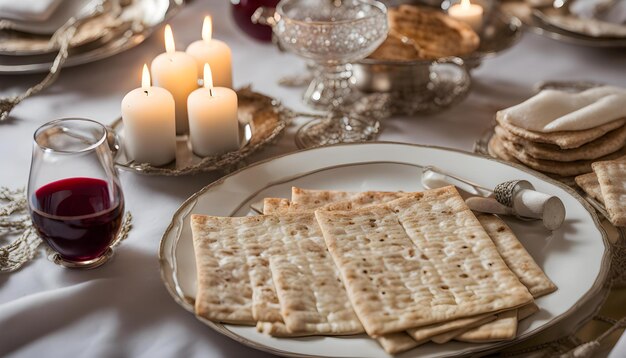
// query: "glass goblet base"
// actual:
[[86, 265], [334, 129]]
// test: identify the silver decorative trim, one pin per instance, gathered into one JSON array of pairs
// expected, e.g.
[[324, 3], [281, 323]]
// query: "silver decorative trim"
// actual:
[[504, 192]]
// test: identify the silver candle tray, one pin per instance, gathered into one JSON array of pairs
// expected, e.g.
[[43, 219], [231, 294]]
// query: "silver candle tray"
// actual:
[[261, 120]]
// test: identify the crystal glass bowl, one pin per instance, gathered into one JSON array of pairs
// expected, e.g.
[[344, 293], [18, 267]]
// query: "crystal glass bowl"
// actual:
[[331, 32]]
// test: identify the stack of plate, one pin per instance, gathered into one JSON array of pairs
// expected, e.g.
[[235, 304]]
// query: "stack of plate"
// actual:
[[107, 27]]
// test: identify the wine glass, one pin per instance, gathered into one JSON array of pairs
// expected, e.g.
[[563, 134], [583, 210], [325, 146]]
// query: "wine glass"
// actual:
[[333, 34], [74, 195], [243, 10]]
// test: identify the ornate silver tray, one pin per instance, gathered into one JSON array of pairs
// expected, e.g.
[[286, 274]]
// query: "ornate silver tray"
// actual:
[[261, 120], [116, 41]]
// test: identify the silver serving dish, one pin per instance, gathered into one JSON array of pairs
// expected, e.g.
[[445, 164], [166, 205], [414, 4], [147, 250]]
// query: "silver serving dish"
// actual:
[[261, 120], [427, 86], [422, 85], [121, 39], [416, 86]]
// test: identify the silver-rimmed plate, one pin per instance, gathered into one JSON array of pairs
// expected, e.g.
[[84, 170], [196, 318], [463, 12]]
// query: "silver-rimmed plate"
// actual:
[[576, 257], [261, 120], [536, 20], [119, 40], [539, 26]]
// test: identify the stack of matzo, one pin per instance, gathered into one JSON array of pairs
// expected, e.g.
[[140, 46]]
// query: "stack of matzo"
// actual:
[[562, 134], [406, 268]]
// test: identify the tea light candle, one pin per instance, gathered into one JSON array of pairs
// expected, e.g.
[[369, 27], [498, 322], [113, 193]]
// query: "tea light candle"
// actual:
[[214, 52], [176, 72], [471, 14], [149, 123], [213, 123]]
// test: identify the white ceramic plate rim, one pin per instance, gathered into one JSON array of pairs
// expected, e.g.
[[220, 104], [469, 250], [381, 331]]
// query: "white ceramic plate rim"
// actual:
[[167, 274]]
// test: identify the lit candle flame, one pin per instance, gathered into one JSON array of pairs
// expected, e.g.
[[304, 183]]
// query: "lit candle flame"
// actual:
[[208, 78], [207, 28], [145, 78], [170, 47], [465, 4]]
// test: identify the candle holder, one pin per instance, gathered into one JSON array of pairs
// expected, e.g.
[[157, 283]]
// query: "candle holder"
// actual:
[[261, 120], [333, 34]]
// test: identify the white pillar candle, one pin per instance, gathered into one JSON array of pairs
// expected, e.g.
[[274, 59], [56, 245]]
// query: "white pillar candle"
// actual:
[[471, 14], [176, 72], [214, 52], [149, 123], [213, 123]]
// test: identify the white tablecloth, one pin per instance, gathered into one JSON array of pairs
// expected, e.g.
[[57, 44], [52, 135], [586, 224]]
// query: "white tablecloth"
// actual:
[[123, 309]]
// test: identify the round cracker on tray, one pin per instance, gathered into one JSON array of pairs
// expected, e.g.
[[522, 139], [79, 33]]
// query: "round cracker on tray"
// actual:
[[435, 33], [397, 48]]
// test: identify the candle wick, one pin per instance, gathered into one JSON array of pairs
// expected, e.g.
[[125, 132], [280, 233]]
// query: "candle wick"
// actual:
[[146, 92], [211, 92]]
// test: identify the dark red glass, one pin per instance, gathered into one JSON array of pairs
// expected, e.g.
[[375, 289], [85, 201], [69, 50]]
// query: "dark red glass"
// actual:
[[243, 10], [77, 217]]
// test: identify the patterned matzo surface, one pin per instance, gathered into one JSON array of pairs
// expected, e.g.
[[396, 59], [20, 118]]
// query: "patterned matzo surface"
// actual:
[[266, 247], [224, 290], [590, 185], [507, 244], [419, 260]]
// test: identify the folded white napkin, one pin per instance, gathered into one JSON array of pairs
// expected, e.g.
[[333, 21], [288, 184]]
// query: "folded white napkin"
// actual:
[[554, 111], [28, 10]]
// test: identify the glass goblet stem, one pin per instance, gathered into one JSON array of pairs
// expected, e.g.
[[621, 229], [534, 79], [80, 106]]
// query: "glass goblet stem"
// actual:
[[332, 86]]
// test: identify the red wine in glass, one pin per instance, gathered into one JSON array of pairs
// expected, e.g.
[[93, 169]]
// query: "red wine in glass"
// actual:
[[77, 217], [242, 12], [74, 194]]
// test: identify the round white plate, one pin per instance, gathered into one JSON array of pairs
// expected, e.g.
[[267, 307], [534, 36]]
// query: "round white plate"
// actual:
[[575, 257]]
